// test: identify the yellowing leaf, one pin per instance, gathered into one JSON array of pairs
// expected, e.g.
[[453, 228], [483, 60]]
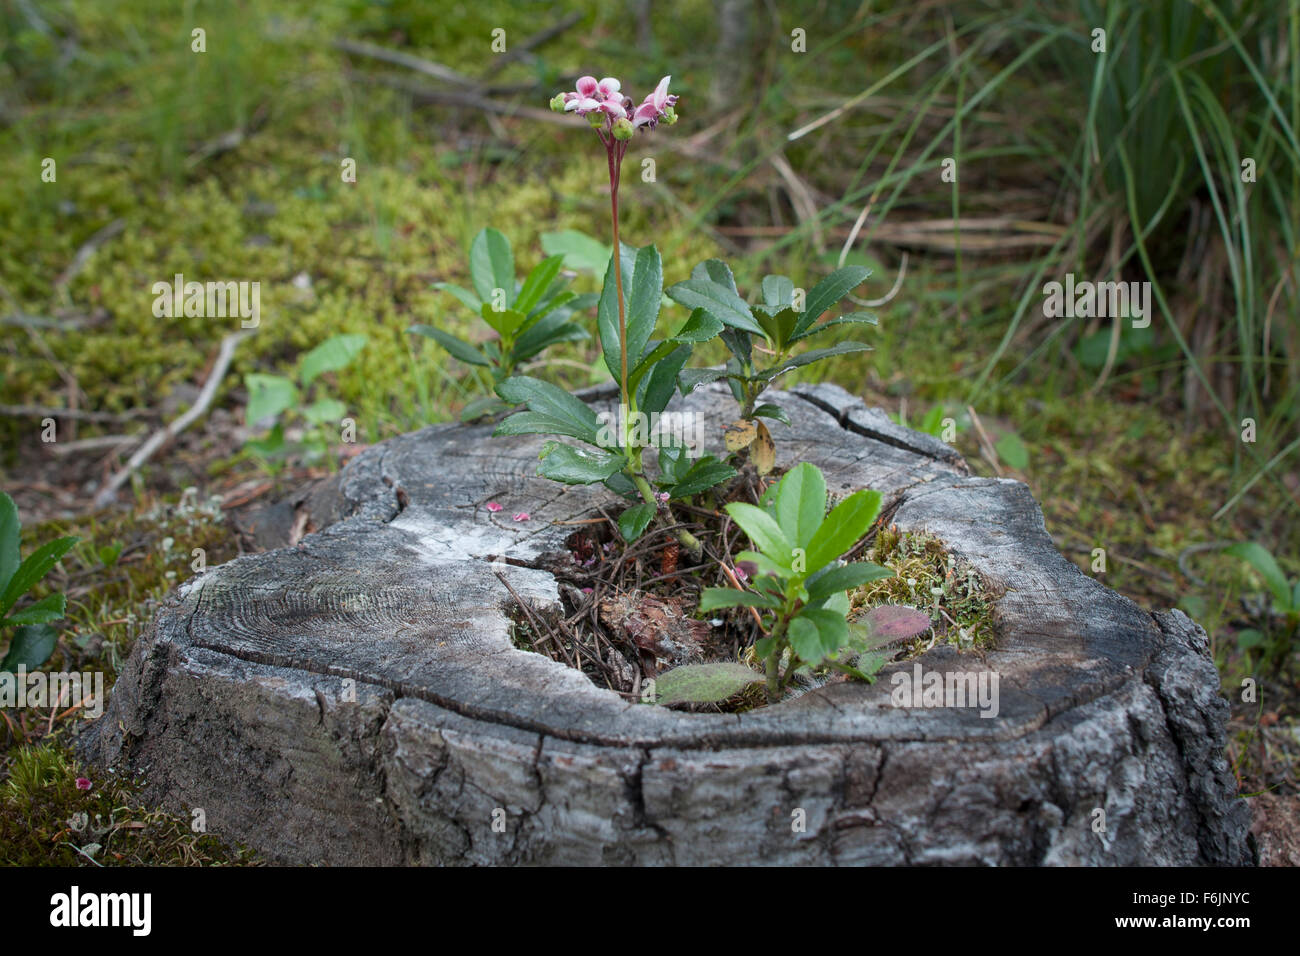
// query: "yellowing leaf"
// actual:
[[741, 434], [763, 450]]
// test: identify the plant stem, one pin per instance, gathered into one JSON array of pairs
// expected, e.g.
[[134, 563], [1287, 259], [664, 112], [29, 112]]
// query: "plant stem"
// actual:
[[615, 169], [687, 540], [772, 665]]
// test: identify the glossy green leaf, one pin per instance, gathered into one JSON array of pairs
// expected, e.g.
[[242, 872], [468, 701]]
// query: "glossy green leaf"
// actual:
[[632, 522], [843, 528], [30, 647], [10, 535], [33, 569], [807, 358], [49, 608], [832, 633], [467, 298], [801, 503], [552, 401], [778, 291], [607, 312], [492, 266], [551, 330], [852, 318], [692, 378], [774, 412], [829, 291], [701, 476], [711, 287], [662, 381], [762, 530], [643, 302], [334, 353], [832, 580], [578, 466], [538, 281], [458, 349]]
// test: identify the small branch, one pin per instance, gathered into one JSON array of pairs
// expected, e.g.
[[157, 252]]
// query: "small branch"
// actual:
[[163, 435], [87, 250], [458, 98], [986, 446], [524, 47], [54, 411]]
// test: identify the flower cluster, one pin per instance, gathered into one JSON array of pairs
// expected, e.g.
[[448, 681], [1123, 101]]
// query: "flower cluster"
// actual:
[[604, 105]]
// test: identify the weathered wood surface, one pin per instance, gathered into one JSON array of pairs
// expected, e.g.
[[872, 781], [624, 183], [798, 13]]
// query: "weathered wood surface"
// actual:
[[355, 697]]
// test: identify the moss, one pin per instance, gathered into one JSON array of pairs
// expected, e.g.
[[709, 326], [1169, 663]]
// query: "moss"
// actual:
[[928, 577], [47, 820]]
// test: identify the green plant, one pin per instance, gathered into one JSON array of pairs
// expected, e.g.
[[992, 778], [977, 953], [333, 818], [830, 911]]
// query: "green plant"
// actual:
[[645, 370], [797, 584], [527, 317], [772, 328], [271, 396], [33, 638], [1286, 603]]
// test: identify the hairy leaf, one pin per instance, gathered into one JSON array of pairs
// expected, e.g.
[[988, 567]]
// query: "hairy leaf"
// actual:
[[703, 683]]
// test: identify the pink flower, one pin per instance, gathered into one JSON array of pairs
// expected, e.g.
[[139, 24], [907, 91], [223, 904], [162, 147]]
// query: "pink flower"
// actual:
[[83, 783], [605, 97], [493, 507], [592, 96], [656, 107], [522, 516]]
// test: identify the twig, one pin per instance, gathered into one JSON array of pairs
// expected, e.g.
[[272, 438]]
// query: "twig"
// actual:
[[426, 67], [986, 446], [54, 411], [163, 435], [457, 98], [522, 48], [736, 584], [801, 198], [90, 444], [86, 251]]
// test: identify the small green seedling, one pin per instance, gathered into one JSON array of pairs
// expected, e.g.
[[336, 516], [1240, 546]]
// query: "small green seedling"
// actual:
[[1286, 600], [271, 397], [772, 328], [33, 638], [797, 584]]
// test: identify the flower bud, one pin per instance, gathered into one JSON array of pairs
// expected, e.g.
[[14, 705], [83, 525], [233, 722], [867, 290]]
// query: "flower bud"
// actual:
[[623, 129], [557, 103], [670, 116]]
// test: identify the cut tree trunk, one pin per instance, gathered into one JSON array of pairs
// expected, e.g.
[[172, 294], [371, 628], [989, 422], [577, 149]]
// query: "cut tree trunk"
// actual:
[[355, 697]]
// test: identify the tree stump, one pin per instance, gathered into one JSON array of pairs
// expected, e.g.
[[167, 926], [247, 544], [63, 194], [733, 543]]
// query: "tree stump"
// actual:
[[355, 697]]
